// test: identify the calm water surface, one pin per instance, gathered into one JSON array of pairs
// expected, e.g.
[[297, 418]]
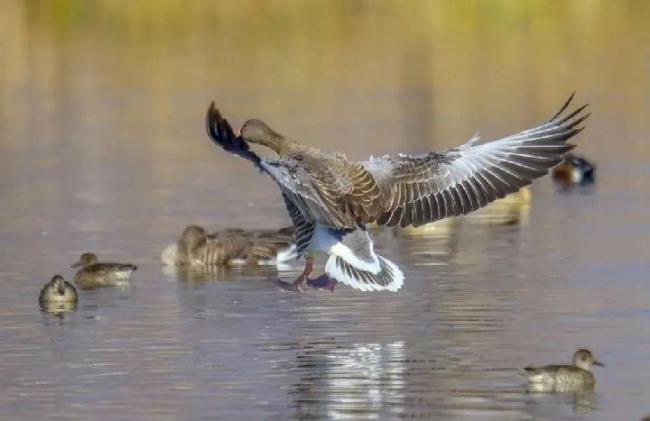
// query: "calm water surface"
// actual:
[[101, 121]]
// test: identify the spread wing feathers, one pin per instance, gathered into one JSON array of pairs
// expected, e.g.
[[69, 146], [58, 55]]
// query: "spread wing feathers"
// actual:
[[331, 190], [353, 262], [221, 133], [425, 188], [303, 227]]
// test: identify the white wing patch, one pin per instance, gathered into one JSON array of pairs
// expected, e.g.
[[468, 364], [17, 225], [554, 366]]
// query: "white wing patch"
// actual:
[[345, 253], [389, 278]]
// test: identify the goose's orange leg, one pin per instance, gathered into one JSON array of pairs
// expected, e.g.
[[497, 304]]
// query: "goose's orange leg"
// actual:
[[300, 282]]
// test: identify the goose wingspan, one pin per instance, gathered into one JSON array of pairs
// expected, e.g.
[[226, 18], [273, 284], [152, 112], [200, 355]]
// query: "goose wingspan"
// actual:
[[409, 190], [425, 188]]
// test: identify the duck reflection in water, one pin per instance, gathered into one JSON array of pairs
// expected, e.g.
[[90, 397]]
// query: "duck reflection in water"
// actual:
[[200, 275]]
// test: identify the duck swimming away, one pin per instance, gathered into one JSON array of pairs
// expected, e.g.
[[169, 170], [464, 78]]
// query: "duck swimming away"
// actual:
[[564, 378], [231, 247], [331, 199], [97, 275]]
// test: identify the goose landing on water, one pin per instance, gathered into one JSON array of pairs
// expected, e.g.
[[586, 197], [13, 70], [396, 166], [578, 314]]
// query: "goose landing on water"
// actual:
[[330, 199]]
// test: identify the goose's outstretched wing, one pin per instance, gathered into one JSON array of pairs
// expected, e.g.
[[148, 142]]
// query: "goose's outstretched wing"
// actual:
[[419, 189], [222, 134]]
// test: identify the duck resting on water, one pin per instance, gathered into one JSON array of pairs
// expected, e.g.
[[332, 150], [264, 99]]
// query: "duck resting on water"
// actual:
[[564, 377], [58, 292], [95, 274], [331, 199], [230, 247]]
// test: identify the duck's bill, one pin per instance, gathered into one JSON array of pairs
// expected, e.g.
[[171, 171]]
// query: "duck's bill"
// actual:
[[599, 364], [76, 265]]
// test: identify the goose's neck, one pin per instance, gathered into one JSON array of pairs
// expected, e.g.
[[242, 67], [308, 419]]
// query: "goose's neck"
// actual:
[[279, 144]]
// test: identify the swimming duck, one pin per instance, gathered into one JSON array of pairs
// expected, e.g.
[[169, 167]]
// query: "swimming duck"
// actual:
[[574, 169], [331, 199], [231, 246], [58, 292], [97, 275], [564, 377]]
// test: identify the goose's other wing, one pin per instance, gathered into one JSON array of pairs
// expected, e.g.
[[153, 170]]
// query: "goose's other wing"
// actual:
[[303, 227], [221, 133], [424, 188]]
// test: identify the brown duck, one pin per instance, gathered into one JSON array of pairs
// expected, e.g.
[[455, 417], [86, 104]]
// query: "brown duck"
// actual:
[[558, 377], [231, 246], [94, 274], [58, 292], [330, 199]]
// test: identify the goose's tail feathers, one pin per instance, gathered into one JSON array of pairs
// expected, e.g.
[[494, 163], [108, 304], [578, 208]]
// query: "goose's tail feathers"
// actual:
[[388, 278]]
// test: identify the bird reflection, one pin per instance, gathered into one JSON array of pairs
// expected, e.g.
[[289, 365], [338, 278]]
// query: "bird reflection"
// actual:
[[197, 276], [58, 309], [343, 382], [582, 399]]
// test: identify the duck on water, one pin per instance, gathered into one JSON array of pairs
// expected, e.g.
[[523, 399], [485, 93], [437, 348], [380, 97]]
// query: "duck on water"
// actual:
[[94, 274], [58, 295], [230, 247], [564, 377], [331, 199]]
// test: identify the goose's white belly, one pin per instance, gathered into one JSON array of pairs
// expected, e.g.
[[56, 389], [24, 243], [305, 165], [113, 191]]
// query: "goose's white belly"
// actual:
[[322, 240]]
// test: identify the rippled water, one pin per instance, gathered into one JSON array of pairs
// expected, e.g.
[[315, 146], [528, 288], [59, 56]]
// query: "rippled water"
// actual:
[[103, 149]]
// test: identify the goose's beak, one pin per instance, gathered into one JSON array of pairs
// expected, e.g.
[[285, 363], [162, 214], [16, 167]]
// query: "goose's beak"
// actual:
[[599, 364]]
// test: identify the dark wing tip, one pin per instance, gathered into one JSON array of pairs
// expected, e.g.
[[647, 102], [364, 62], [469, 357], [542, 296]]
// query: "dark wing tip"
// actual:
[[221, 133], [213, 123], [564, 106]]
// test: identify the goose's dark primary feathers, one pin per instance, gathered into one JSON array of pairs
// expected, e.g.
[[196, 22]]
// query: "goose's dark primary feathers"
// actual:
[[325, 192]]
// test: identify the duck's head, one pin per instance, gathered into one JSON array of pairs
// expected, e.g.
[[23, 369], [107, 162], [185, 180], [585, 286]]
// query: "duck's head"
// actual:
[[574, 170], [192, 236], [57, 285], [258, 132], [583, 358], [86, 259]]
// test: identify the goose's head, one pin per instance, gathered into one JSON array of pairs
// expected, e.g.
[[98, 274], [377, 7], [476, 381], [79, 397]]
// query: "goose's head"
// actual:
[[583, 358], [85, 260], [258, 132]]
